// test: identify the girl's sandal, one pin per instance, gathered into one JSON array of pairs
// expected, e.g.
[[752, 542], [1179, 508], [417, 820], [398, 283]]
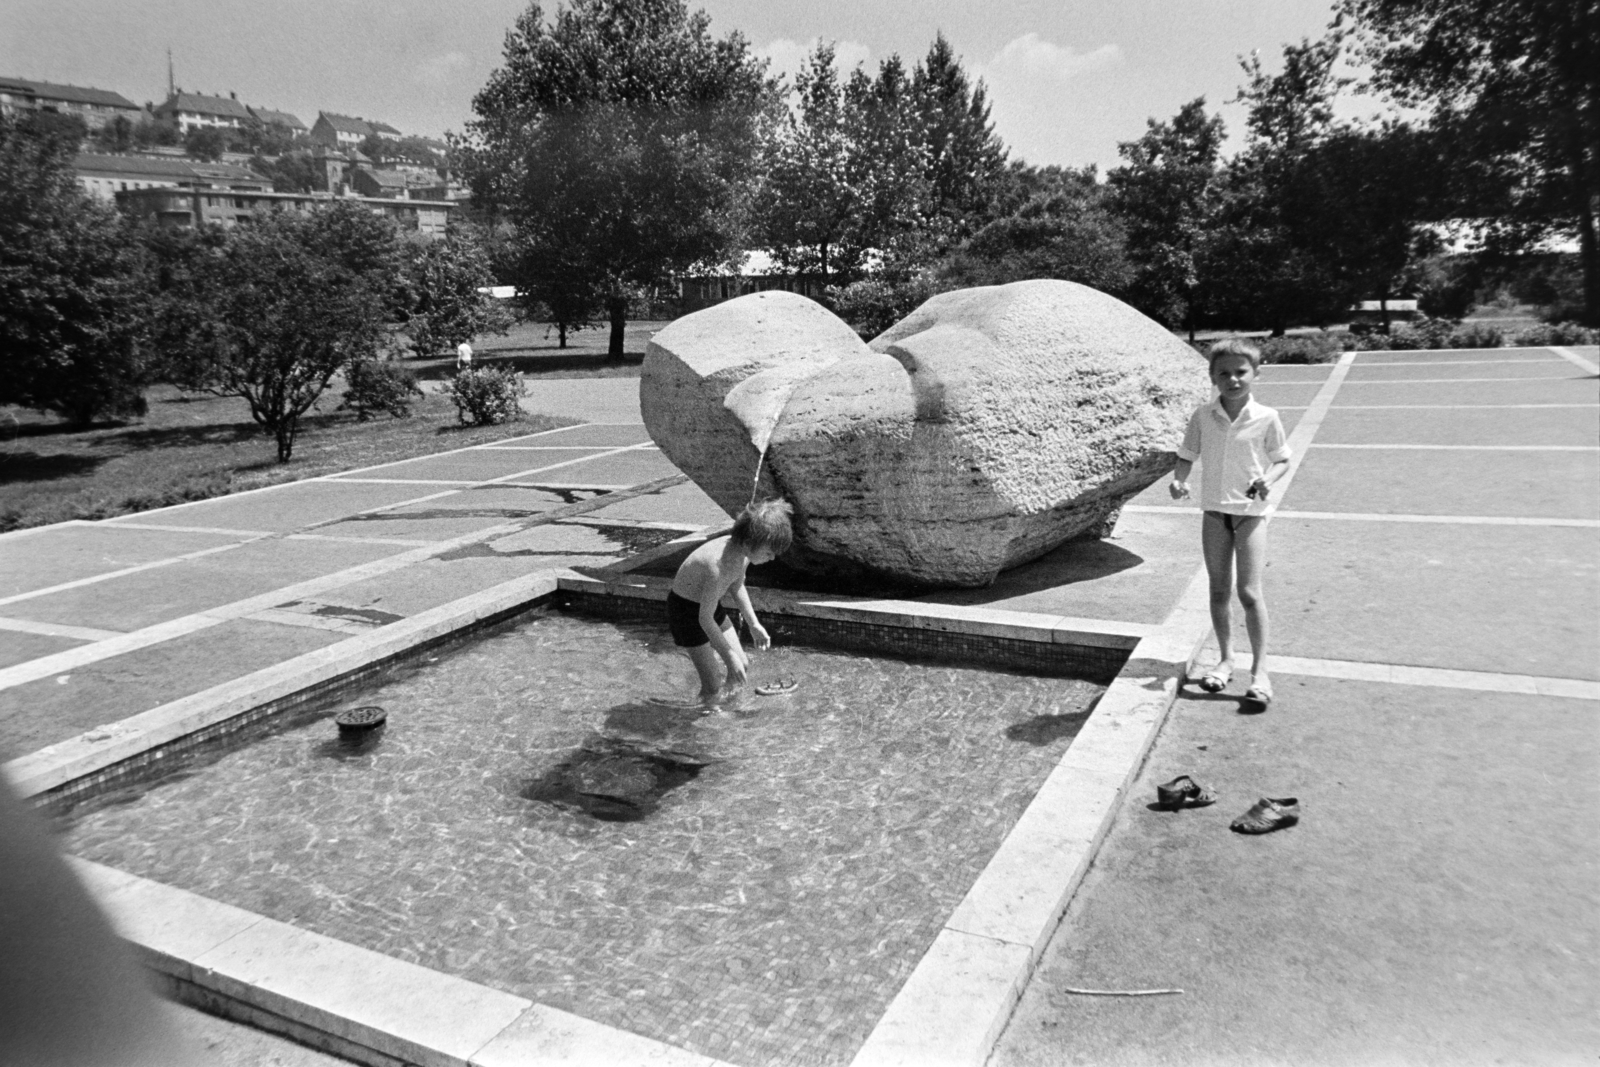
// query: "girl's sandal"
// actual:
[[1217, 678], [778, 688], [1258, 698]]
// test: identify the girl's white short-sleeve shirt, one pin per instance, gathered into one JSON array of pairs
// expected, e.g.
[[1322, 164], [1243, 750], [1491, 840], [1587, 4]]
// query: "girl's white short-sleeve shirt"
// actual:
[[1233, 453]]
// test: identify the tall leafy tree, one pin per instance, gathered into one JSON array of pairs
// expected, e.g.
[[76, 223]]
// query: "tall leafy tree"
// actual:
[[447, 307], [965, 156], [1513, 87], [72, 283], [844, 176], [618, 140], [1164, 193], [271, 311]]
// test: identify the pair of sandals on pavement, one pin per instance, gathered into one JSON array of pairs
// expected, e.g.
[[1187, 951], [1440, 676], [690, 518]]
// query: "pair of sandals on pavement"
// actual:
[[1258, 696], [1265, 815]]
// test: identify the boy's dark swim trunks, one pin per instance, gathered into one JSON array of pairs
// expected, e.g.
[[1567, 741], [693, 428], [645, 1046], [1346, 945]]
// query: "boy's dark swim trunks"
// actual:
[[683, 616]]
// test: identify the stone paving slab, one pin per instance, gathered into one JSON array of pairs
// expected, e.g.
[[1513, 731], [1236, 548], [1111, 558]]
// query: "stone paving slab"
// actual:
[[603, 435], [1469, 482], [686, 504], [589, 399], [1570, 389], [49, 710], [1453, 355], [147, 597], [70, 552], [1512, 599], [475, 465], [1464, 426], [1549, 366], [1134, 576], [511, 498], [426, 585], [1438, 902], [421, 523], [282, 509], [626, 468], [16, 647]]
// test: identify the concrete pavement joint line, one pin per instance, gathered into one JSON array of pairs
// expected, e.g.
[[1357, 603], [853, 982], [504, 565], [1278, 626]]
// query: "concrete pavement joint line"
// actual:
[[412, 542], [30, 530], [71, 659], [1477, 448], [120, 524], [1576, 360], [54, 629], [96, 750], [955, 1004], [398, 481], [1358, 516], [378, 1008], [107, 576], [1438, 677]]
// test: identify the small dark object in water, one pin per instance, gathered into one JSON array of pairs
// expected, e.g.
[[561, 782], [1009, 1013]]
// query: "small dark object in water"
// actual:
[[360, 720], [778, 688]]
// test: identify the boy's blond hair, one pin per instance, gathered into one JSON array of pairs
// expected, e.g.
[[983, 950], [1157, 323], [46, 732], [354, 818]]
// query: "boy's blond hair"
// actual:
[[765, 524], [1233, 346]]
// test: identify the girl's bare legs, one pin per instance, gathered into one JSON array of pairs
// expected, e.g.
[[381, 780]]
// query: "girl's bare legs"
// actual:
[[1250, 546], [1217, 544]]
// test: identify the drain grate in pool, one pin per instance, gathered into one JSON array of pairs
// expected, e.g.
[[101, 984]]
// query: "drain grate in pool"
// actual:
[[616, 779]]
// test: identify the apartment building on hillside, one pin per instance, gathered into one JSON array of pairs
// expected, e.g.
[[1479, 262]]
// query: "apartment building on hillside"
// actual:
[[104, 176], [95, 106], [192, 111]]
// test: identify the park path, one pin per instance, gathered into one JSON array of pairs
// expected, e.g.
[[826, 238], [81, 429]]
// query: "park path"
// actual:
[[1435, 587]]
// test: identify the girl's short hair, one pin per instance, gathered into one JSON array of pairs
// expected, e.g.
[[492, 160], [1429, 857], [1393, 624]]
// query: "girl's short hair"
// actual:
[[1234, 346], [765, 524]]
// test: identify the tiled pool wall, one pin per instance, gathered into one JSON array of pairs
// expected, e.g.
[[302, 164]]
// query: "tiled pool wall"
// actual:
[[1043, 658]]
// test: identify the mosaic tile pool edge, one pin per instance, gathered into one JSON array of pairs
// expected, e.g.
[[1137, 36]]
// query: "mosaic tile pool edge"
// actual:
[[1047, 659]]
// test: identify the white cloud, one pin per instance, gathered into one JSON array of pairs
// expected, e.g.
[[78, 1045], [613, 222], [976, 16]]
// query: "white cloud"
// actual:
[[789, 56], [1040, 93], [1031, 57]]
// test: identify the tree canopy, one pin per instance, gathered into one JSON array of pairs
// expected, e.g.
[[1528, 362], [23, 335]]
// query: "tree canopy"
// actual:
[[616, 140], [1513, 88]]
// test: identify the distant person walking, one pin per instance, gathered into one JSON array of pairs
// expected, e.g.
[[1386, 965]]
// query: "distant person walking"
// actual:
[[463, 357], [1242, 452]]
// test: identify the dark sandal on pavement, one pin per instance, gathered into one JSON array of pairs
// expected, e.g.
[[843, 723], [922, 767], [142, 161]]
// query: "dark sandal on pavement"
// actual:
[[1258, 697], [1217, 678], [1268, 814], [1184, 792]]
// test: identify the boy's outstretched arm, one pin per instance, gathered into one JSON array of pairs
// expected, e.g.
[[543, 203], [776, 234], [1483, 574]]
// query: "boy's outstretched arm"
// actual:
[[1180, 479], [758, 633]]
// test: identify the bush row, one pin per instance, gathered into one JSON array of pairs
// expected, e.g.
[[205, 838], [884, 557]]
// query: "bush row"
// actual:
[[1421, 334]]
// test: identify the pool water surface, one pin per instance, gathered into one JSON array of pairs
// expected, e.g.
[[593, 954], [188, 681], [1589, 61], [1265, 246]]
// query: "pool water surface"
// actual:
[[762, 903]]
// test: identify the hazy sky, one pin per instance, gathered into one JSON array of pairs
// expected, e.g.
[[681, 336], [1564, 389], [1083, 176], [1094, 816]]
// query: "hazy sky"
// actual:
[[1068, 78]]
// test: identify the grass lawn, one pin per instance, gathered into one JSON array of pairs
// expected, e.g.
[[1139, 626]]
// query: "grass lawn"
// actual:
[[531, 348], [190, 448]]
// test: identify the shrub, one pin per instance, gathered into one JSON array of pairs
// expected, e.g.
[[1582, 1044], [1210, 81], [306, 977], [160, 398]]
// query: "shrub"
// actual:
[[1555, 333], [1478, 335], [374, 385], [873, 305], [485, 396], [1318, 348]]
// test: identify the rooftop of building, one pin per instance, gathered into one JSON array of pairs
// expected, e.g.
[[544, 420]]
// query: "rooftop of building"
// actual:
[[75, 94], [200, 104]]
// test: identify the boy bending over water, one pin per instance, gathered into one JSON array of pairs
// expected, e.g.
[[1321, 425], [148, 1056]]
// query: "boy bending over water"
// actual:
[[1242, 450], [699, 624]]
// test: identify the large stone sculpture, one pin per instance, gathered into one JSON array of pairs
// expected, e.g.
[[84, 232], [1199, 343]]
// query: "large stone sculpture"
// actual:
[[986, 428]]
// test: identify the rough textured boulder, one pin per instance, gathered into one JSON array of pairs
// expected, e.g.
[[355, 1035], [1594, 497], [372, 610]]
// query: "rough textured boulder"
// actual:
[[986, 428]]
